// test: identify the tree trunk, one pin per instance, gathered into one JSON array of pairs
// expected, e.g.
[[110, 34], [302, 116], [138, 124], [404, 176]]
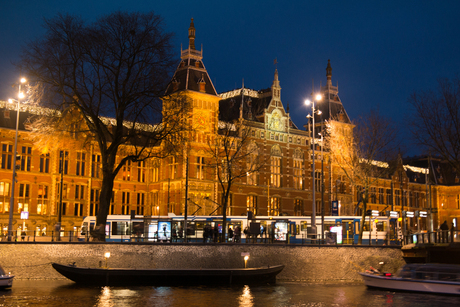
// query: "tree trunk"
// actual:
[[104, 206], [224, 214]]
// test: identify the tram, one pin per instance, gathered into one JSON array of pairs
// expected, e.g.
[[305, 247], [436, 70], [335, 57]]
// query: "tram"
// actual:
[[266, 229]]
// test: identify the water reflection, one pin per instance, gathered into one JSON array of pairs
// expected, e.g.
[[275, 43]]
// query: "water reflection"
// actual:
[[105, 298], [114, 296], [60, 293], [246, 297]]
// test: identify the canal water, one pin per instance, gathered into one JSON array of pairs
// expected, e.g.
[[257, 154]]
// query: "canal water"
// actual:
[[62, 293]]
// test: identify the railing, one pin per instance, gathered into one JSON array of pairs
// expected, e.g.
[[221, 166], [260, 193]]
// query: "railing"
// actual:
[[445, 236], [34, 236], [300, 239]]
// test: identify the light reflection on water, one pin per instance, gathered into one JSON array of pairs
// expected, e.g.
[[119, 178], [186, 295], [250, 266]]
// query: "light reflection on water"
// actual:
[[246, 297], [53, 293]]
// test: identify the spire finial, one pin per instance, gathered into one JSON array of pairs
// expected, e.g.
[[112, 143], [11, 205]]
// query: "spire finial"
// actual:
[[191, 36], [328, 70]]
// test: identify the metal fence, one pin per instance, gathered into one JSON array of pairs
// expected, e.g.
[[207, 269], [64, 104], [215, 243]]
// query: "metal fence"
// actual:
[[445, 236], [300, 239], [34, 236]]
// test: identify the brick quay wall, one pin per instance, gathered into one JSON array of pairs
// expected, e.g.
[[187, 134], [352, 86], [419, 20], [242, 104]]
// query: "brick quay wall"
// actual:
[[303, 263]]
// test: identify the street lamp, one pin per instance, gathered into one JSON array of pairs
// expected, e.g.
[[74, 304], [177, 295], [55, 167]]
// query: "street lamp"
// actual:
[[322, 183], [106, 256], [13, 181], [318, 98]]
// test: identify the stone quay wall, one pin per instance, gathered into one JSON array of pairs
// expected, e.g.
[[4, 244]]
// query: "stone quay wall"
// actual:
[[303, 263]]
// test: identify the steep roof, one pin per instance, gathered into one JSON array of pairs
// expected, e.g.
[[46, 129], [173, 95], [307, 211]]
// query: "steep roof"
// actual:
[[440, 172], [191, 73], [331, 106], [253, 102]]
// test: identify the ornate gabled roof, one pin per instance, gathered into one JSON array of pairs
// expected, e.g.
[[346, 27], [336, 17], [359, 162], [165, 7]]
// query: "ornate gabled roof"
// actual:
[[440, 172], [252, 105], [191, 73]]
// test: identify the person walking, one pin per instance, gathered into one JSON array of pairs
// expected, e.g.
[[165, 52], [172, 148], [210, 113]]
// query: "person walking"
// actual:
[[215, 233], [174, 233], [237, 233], [230, 234], [444, 229]]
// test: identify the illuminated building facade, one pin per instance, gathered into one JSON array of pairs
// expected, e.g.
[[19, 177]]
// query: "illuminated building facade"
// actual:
[[157, 187]]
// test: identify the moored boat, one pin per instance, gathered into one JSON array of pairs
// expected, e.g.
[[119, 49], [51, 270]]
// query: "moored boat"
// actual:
[[6, 280], [170, 277], [417, 277]]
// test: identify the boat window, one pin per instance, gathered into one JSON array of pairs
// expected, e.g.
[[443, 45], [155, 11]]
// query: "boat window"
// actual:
[[425, 275], [447, 276], [406, 273]]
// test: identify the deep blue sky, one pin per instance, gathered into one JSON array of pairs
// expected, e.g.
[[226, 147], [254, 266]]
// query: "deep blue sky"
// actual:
[[380, 51]]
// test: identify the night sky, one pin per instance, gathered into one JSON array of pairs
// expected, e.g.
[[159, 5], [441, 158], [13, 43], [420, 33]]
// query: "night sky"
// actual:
[[380, 51]]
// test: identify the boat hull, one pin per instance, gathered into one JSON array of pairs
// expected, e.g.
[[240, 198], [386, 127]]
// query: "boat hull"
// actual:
[[404, 284], [6, 281], [168, 277]]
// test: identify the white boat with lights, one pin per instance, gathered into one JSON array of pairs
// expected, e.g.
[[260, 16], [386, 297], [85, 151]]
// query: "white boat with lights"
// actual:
[[418, 277], [6, 280]]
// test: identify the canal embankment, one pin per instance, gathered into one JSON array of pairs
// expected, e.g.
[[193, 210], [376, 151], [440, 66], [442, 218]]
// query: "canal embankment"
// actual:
[[325, 263]]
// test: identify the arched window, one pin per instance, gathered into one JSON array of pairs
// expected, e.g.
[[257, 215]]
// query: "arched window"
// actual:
[[298, 167], [275, 166], [298, 207], [275, 206]]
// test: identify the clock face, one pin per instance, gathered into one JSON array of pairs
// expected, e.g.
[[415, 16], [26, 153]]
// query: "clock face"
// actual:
[[275, 122]]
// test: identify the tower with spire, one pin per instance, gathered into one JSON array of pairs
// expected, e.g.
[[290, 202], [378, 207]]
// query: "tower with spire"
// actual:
[[191, 83], [191, 74], [331, 106]]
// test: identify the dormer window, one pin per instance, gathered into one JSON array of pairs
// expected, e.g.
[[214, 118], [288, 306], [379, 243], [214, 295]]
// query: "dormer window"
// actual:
[[175, 84], [202, 84]]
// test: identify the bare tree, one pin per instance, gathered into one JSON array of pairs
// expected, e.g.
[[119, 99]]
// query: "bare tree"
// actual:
[[234, 157], [362, 152], [109, 76], [436, 124]]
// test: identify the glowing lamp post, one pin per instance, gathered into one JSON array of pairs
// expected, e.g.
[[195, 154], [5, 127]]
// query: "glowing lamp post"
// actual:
[[106, 256], [246, 258], [318, 98], [13, 181]]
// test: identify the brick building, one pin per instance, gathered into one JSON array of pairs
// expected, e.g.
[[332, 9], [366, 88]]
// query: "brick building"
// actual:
[[157, 187]]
